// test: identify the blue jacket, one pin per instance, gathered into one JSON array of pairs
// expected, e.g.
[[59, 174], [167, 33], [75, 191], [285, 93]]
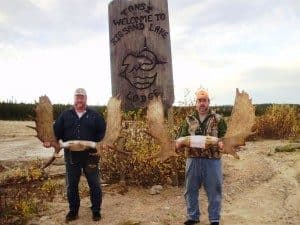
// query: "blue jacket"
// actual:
[[90, 127]]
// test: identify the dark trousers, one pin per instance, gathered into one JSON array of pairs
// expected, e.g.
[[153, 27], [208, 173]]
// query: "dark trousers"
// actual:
[[74, 167]]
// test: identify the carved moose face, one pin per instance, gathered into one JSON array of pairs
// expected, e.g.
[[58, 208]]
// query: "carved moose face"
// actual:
[[139, 68]]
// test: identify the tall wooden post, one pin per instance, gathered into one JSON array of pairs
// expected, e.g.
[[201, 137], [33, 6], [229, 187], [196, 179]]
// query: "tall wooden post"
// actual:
[[140, 52]]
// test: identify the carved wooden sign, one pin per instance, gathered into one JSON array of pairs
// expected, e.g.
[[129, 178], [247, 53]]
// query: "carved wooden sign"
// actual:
[[140, 52]]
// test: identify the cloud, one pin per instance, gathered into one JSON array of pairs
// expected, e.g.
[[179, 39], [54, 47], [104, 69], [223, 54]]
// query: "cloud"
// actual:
[[216, 44], [3, 17], [222, 26], [45, 23], [57, 72], [45, 4], [270, 77]]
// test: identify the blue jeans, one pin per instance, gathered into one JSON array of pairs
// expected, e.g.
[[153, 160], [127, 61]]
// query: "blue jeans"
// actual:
[[74, 167], [206, 172]]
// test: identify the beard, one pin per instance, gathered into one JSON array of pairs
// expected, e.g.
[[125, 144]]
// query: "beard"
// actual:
[[203, 109]]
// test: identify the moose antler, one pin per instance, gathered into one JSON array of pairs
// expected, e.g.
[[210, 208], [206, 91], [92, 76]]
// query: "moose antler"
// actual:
[[45, 132], [44, 126], [239, 128], [113, 125], [240, 123], [158, 130], [44, 121]]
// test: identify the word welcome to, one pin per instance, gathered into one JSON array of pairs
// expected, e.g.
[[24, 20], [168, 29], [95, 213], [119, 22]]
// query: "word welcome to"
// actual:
[[135, 22], [140, 19]]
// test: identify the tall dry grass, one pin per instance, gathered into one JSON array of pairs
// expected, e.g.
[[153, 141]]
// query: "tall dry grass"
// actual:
[[278, 122]]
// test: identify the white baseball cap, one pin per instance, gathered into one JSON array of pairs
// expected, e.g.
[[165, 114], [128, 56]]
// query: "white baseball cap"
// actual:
[[80, 91]]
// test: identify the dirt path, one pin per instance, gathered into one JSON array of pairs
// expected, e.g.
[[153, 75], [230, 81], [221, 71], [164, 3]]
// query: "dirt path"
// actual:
[[17, 142], [272, 199], [261, 188]]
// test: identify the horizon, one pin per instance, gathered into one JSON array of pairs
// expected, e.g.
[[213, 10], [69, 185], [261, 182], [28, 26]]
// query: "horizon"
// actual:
[[174, 105]]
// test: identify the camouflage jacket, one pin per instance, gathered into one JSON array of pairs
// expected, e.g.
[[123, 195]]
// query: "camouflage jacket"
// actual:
[[213, 125]]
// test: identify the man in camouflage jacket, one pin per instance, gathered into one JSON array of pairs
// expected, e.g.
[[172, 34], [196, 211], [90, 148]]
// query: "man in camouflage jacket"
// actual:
[[203, 166]]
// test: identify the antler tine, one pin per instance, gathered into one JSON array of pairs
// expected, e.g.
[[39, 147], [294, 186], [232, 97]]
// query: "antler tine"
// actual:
[[31, 127]]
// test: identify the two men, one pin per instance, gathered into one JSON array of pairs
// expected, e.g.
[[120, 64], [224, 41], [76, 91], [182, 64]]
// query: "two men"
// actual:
[[203, 166], [81, 123]]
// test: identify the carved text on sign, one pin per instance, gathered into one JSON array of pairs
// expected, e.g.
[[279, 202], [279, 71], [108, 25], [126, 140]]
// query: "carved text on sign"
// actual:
[[134, 97], [132, 23], [141, 62], [137, 7]]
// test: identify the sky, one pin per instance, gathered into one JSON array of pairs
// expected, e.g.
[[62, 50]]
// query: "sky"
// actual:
[[54, 46]]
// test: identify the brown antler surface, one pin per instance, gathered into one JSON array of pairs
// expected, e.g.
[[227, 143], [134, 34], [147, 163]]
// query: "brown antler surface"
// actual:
[[240, 123], [158, 129], [45, 132], [44, 122], [113, 124], [44, 125], [239, 127]]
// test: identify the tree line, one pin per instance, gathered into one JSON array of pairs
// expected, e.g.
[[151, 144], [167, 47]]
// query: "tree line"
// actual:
[[22, 111]]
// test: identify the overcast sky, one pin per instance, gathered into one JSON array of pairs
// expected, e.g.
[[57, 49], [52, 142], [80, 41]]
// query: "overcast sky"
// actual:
[[54, 46]]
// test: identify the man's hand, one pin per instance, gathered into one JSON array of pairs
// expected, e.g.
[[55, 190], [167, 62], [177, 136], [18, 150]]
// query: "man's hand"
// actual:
[[47, 144], [221, 144], [107, 147], [179, 143]]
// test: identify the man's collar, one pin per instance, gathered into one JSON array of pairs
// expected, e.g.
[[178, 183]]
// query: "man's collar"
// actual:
[[86, 109], [196, 114]]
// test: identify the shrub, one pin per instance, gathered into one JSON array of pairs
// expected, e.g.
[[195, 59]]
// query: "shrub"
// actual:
[[49, 188], [26, 208], [23, 192], [139, 167], [279, 121]]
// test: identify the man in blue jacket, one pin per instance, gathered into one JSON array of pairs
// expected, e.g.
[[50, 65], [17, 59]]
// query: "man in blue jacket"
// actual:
[[81, 123]]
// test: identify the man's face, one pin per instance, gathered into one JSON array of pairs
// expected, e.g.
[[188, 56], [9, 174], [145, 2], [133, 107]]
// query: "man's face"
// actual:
[[202, 105], [80, 102]]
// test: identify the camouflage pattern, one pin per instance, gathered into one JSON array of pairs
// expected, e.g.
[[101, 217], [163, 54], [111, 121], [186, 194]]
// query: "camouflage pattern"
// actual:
[[213, 125]]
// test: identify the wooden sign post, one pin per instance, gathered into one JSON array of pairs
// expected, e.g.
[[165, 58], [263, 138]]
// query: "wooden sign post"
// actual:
[[140, 52]]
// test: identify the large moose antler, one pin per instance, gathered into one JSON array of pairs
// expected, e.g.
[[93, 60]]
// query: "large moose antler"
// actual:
[[44, 126], [239, 128], [158, 129], [45, 132], [113, 125], [240, 123]]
